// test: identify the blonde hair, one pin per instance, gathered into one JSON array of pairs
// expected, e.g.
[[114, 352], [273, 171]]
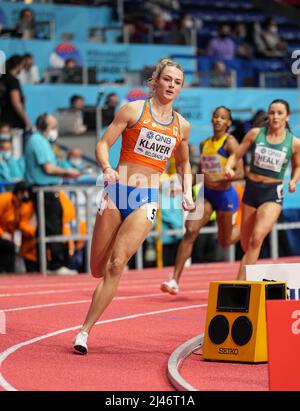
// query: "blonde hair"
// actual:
[[159, 68]]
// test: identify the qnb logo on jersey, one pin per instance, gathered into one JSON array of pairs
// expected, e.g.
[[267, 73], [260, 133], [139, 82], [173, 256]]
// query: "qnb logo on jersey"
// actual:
[[159, 137], [150, 135]]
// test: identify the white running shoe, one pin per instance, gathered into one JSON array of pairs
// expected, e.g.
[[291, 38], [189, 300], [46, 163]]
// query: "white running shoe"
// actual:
[[170, 286], [80, 342], [63, 271]]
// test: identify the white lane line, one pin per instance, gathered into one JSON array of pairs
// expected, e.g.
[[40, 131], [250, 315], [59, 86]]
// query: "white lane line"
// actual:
[[122, 287], [45, 292], [33, 285], [33, 307], [9, 351], [192, 271]]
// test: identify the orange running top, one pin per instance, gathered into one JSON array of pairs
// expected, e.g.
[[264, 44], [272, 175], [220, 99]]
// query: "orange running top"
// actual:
[[149, 142]]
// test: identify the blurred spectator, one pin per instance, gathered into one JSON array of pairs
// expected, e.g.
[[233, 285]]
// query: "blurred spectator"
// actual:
[[137, 31], [109, 109], [77, 102], [220, 76], [30, 71], [71, 120], [14, 167], [41, 170], [267, 40], [10, 203], [161, 30], [183, 34], [72, 72], [74, 160], [11, 96], [25, 27], [28, 226], [222, 46], [243, 47], [165, 7]]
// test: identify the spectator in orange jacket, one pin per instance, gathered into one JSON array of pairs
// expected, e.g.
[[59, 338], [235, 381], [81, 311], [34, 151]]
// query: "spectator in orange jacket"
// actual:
[[28, 224], [10, 206]]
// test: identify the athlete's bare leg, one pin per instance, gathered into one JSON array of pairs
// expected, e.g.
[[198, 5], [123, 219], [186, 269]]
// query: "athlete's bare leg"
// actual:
[[129, 238], [227, 232], [104, 234], [265, 217], [185, 248]]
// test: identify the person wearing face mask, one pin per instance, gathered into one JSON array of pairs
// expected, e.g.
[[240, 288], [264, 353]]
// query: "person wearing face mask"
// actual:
[[41, 169], [11, 168], [271, 45], [222, 46], [10, 212]]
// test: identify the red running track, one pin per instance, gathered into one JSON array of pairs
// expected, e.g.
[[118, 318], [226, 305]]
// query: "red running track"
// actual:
[[128, 348]]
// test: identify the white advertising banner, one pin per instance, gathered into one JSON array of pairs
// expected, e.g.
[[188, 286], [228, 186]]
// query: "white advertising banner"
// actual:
[[287, 272]]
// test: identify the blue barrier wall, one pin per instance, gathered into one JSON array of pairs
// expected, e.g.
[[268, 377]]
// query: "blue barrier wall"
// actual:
[[112, 62], [196, 104], [74, 19]]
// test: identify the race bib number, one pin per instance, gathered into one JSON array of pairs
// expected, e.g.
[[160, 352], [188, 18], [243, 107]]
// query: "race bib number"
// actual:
[[103, 203], [154, 145], [280, 191], [269, 158], [151, 212], [211, 164]]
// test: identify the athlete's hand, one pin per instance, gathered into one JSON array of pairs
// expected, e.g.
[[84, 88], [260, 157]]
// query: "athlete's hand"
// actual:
[[110, 175], [188, 202], [229, 172], [292, 186]]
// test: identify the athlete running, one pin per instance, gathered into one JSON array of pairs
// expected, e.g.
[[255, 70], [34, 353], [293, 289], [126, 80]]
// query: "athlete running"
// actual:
[[219, 194], [151, 132], [273, 147]]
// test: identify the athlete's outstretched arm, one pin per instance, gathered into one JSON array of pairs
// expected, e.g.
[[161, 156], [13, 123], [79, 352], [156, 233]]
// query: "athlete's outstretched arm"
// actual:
[[295, 165], [183, 166], [240, 152]]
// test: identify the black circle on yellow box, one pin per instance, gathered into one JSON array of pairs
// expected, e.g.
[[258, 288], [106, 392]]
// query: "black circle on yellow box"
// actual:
[[218, 329], [241, 331]]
